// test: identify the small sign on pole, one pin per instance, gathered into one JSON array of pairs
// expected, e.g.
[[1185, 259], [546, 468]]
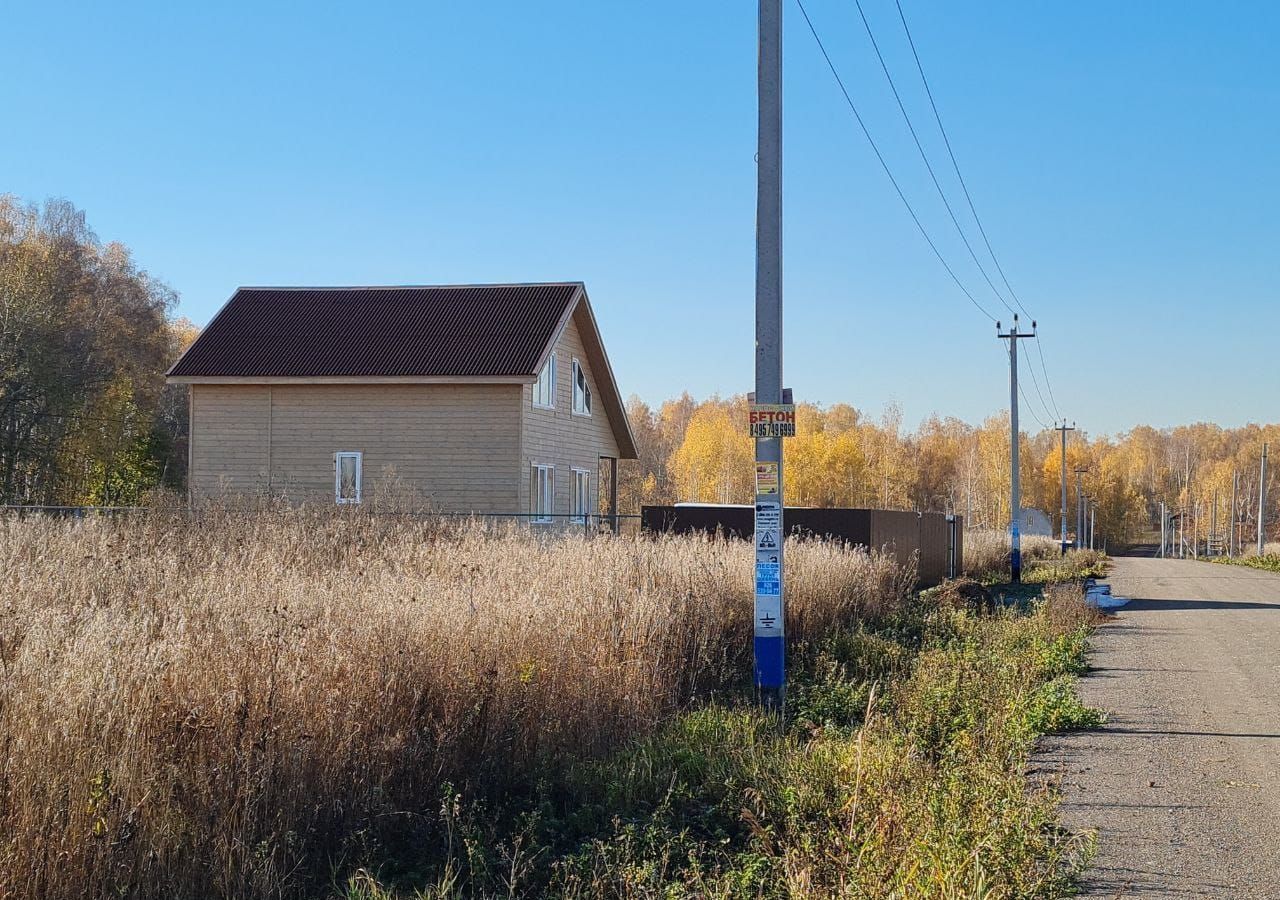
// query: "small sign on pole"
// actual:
[[768, 615], [766, 478], [772, 420]]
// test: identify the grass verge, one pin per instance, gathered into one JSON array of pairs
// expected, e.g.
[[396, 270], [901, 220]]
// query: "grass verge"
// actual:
[[898, 774], [1270, 562]]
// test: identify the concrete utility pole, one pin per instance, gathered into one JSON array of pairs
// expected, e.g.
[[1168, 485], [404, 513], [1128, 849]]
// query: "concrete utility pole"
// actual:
[[1195, 532], [769, 611], [1015, 499], [1262, 503], [1164, 523], [1093, 523], [1079, 510], [1064, 429], [1213, 526], [1233, 536]]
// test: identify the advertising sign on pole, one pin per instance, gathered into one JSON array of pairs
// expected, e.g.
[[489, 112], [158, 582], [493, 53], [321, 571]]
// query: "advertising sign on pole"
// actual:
[[772, 420]]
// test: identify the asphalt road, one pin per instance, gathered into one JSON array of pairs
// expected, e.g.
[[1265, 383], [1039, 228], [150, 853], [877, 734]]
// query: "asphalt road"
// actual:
[[1183, 783]]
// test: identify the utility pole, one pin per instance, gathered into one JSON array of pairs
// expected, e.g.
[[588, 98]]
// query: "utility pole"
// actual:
[[1262, 503], [1164, 523], [1195, 532], [1233, 536], [1064, 429], [1213, 526], [1015, 499], [769, 644], [1079, 510], [1093, 523]]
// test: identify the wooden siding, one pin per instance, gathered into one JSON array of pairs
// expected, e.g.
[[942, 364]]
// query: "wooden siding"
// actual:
[[557, 437], [455, 447]]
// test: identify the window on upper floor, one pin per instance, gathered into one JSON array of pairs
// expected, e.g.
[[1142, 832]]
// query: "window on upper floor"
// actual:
[[544, 389], [581, 392]]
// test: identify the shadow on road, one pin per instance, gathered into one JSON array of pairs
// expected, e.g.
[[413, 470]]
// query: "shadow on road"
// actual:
[[1224, 734], [1200, 604]]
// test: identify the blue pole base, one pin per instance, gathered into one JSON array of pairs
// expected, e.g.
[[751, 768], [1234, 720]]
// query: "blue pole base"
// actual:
[[1017, 567], [770, 660]]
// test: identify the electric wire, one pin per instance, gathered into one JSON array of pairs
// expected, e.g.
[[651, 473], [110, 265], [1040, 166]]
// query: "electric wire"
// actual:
[[915, 137], [1031, 409], [884, 67], [884, 165], [956, 165], [1022, 392], [902, 196], [1048, 384], [1036, 381], [937, 115]]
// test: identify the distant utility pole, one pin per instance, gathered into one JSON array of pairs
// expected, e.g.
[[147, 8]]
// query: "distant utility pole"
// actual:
[[1064, 429], [1195, 532], [1079, 510], [1213, 526], [1232, 537], [1262, 503], [1093, 523], [769, 644], [1164, 528], [1015, 500]]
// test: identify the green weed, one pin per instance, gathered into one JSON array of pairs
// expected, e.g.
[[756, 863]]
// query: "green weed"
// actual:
[[898, 774]]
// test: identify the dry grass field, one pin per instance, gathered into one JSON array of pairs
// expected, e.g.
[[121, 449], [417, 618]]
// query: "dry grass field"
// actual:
[[245, 703], [987, 551]]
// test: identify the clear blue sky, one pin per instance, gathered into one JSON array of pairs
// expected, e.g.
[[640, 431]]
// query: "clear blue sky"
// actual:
[[1122, 155]]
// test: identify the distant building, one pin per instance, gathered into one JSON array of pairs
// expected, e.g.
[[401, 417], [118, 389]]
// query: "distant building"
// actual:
[[478, 398], [1034, 522]]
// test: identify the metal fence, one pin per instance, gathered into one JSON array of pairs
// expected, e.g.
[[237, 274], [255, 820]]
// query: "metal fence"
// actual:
[[624, 523]]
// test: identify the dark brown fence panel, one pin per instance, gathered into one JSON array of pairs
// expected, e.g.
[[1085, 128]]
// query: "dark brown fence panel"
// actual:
[[900, 533]]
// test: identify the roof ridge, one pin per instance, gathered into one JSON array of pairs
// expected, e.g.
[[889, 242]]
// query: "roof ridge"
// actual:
[[407, 287]]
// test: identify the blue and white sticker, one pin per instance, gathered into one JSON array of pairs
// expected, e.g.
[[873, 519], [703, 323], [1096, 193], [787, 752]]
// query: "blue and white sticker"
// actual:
[[768, 579]]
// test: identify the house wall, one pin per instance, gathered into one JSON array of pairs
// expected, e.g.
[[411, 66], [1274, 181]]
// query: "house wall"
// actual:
[[455, 447], [557, 436]]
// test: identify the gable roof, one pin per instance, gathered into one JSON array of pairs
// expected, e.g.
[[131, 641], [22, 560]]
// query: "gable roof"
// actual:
[[491, 332], [465, 331]]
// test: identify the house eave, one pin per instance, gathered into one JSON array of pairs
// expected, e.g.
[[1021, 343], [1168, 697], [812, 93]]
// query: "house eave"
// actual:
[[350, 379]]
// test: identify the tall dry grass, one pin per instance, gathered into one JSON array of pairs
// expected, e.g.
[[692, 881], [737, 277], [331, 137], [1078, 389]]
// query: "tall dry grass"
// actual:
[[243, 704], [987, 551]]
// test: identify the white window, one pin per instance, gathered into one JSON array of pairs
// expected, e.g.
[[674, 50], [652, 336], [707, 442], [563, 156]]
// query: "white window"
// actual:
[[346, 477], [544, 389], [580, 496], [541, 493], [581, 393]]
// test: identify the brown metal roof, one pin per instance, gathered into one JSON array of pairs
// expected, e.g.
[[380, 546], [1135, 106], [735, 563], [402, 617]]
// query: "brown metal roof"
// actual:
[[463, 331]]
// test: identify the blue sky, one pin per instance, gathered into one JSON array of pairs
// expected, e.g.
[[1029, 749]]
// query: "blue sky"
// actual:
[[1122, 156]]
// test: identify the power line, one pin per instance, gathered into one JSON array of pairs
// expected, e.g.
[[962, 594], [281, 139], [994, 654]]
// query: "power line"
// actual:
[[937, 185], [956, 165], [884, 67], [924, 156], [968, 197], [1031, 409], [1048, 384], [1022, 393], [884, 165], [1036, 381]]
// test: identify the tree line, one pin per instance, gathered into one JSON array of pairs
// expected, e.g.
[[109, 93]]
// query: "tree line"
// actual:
[[86, 418], [699, 451], [85, 338]]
